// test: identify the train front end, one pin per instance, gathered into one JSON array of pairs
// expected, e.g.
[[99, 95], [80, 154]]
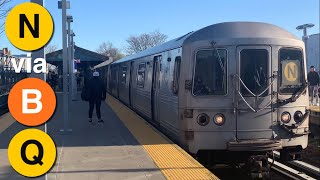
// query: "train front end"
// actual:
[[247, 94]]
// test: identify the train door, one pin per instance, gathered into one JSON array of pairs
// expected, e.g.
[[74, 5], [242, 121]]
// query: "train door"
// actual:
[[155, 89], [131, 83], [114, 79], [254, 115]]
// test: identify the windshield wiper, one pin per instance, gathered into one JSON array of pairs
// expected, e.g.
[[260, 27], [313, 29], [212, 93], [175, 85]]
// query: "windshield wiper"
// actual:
[[213, 43], [294, 97]]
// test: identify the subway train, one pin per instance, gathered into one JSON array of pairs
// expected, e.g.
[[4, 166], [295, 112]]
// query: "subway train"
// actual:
[[230, 92], [8, 78]]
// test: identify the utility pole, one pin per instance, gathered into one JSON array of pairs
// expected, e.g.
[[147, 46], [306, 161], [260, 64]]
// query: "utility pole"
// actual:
[[63, 5], [38, 53], [73, 77], [69, 21], [70, 57], [305, 36]]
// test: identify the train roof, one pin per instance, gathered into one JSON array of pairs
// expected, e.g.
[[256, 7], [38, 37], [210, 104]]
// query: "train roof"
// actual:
[[172, 44], [226, 30]]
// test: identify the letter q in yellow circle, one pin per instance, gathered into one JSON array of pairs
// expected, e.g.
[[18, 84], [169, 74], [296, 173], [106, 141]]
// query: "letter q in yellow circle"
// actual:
[[29, 26], [32, 152]]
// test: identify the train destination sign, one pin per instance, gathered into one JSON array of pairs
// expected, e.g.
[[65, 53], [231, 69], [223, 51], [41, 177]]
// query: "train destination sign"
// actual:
[[290, 72]]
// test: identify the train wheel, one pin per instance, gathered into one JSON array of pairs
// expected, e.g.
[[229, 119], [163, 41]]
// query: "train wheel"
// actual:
[[258, 167]]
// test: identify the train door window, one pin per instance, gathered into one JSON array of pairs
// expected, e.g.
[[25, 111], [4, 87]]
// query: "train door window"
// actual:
[[210, 76], [114, 74], [176, 73], [160, 62], [1, 77], [124, 75], [291, 70], [254, 71], [141, 74]]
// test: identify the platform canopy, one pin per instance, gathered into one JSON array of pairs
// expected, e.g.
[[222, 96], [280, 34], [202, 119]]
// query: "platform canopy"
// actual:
[[84, 57]]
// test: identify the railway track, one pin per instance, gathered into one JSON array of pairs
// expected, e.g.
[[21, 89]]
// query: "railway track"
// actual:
[[294, 169], [278, 170]]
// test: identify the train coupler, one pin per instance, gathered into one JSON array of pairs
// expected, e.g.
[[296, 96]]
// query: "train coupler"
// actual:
[[258, 167]]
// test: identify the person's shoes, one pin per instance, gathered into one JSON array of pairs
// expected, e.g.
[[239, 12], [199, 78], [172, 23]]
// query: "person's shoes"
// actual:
[[100, 121], [90, 120]]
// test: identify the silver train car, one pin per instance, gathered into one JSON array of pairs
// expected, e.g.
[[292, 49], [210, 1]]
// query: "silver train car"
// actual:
[[229, 92]]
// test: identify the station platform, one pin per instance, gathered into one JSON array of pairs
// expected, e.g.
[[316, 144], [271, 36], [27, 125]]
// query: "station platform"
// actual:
[[124, 147], [315, 115]]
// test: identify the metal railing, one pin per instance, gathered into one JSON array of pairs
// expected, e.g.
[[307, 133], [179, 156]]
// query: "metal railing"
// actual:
[[273, 77]]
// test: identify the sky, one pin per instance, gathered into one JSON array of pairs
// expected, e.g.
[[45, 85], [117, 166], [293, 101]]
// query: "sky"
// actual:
[[98, 21]]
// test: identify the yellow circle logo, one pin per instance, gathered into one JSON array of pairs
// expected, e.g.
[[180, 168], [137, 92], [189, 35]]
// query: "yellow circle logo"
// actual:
[[29, 26], [291, 71], [32, 152]]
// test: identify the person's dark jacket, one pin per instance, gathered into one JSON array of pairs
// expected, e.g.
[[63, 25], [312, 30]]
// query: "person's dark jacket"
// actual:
[[96, 89], [313, 78], [87, 77]]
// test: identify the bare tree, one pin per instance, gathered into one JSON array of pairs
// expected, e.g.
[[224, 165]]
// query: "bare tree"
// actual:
[[3, 13], [144, 41], [107, 49], [50, 48]]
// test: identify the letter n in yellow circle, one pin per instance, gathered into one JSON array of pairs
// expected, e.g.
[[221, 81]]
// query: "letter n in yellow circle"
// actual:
[[29, 26], [291, 71]]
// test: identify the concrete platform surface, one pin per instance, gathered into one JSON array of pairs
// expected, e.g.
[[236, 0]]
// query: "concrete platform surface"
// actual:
[[124, 147], [90, 151], [9, 127], [93, 151]]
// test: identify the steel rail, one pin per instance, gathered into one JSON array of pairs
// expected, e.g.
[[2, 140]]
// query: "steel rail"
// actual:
[[288, 171], [306, 168]]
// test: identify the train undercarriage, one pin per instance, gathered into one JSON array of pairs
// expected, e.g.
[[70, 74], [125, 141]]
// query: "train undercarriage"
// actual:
[[254, 163]]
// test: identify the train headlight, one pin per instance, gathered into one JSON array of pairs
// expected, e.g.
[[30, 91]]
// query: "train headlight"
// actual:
[[285, 117], [298, 116], [203, 119], [219, 119]]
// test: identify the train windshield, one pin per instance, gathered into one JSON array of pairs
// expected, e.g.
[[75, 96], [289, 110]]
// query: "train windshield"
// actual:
[[210, 73], [254, 71], [291, 70]]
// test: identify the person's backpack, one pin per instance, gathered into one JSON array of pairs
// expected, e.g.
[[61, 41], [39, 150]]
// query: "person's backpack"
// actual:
[[84, 94]]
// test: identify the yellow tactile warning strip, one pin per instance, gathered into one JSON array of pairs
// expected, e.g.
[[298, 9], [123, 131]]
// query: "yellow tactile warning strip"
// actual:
[[173, 161], [6, 121], [315, 108]]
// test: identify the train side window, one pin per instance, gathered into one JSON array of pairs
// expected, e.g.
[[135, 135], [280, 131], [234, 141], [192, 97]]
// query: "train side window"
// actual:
[[141, 74], [176, 74], [124, 75]]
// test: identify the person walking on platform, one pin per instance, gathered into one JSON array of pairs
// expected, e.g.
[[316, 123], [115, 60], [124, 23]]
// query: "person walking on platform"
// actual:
[[96, 93], [314, 81]]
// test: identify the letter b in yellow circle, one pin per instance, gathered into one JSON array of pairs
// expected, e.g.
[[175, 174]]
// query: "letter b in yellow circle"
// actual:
[[32, 152], [29, 26]]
